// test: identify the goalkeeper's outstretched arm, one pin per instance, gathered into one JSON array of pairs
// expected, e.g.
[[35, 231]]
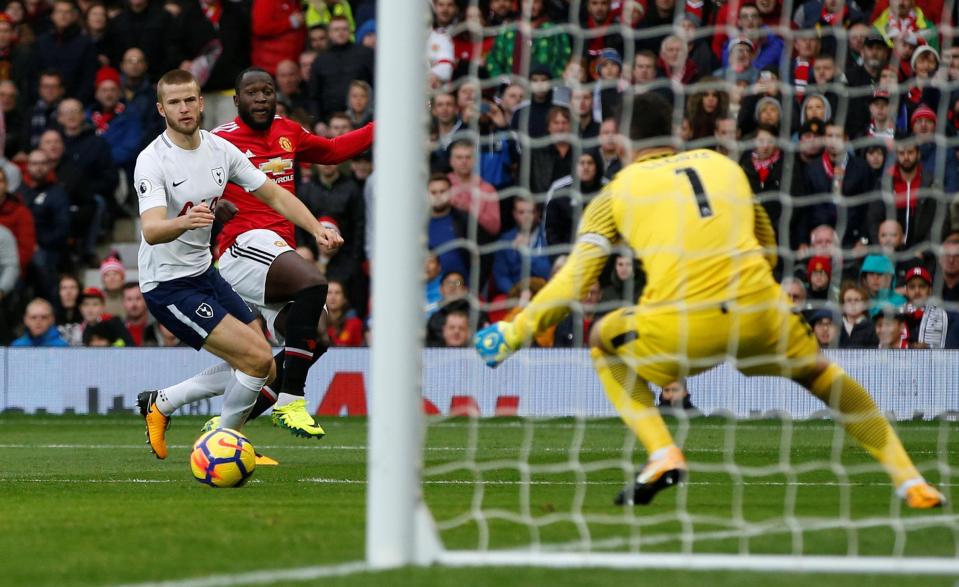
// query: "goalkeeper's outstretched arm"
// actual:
[[594, 244]]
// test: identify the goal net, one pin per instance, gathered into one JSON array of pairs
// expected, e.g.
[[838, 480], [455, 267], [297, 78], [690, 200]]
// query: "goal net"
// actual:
[[528, 117]]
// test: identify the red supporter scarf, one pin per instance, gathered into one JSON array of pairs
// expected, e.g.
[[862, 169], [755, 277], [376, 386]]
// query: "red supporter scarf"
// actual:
[[801, 76], [903, 25], [953, 119], [914, 95], [101, 120], [833, 19], [830, 168], [764, 166]]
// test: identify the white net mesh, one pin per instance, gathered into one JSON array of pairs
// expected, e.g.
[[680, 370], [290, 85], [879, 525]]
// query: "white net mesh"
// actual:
[[535, 106]]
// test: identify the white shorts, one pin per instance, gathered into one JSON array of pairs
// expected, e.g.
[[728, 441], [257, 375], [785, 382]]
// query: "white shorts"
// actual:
[[244, 266]]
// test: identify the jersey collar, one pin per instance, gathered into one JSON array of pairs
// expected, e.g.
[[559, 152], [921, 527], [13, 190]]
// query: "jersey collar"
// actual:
[[656, 153]]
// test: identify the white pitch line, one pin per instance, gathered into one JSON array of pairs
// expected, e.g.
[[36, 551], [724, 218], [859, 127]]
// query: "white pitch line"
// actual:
[[345, 447], [97, 481], [262, 577], [331, 481]]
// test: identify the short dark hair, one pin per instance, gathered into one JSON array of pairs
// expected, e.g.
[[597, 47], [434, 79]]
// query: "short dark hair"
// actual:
[[555, 111], [652, 118], [438, 177], [645, 53], [834, 122], [239, 77], [341, 115], [462, 313], [52, 73], [99, 330], [770, 128], [130, 285]]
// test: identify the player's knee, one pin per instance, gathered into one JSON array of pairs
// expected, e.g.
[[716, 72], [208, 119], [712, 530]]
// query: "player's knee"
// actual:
[[260, 361], [820, 375], [271, 377], [262, 366]]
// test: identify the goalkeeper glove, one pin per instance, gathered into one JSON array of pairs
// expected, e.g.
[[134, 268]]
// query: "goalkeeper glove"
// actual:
[[496, 343]]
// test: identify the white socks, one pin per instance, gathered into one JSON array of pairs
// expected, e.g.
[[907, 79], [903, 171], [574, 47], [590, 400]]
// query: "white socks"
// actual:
[[284, 398], [238, 401], [205, 384]]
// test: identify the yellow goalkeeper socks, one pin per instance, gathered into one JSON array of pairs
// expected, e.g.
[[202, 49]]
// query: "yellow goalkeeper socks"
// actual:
[[631, 397], [863, 421]]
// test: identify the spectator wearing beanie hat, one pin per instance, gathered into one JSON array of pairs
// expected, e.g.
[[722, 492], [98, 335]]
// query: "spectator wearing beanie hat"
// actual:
[[768, 111], [924, 62], [819, 279], [112, 275], [878, 278], [93, 311], [923, 124], [608, 93], [122, 131]]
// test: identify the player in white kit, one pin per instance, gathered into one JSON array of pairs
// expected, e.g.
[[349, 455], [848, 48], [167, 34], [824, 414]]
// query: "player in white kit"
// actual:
[[179, 178]]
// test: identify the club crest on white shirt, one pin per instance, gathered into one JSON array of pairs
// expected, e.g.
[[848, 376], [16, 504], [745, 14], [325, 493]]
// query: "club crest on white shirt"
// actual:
[[218, 175]]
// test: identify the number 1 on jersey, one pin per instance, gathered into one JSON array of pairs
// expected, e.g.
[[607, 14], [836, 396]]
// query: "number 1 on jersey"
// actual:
[[702, 202]]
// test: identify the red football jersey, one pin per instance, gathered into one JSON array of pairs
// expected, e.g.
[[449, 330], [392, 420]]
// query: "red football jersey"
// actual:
[[275, 152]]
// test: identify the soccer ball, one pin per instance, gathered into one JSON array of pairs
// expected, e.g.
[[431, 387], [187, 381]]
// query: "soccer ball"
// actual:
[[222, 458]]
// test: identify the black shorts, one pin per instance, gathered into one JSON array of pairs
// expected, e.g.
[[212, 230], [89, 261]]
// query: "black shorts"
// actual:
[[191, 307]]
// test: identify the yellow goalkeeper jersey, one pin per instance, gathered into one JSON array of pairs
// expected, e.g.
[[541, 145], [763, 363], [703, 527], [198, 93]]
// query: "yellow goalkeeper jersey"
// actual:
[[692, 220]]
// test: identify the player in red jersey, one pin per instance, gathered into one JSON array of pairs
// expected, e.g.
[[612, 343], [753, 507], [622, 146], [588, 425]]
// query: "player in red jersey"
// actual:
[[256, 253]]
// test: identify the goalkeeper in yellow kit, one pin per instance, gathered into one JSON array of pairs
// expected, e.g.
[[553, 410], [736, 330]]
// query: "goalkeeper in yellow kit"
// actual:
[[710, 296]]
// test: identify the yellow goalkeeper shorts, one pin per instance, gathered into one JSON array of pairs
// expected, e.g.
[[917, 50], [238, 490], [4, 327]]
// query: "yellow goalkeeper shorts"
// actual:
[[759, 333]]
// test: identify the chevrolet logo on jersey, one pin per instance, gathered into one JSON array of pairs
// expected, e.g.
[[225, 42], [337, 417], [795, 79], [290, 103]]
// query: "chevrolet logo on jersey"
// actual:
[[276, 165]]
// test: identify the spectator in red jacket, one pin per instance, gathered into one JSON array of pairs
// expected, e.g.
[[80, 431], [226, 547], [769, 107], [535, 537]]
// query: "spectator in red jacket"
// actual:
[[15, 215], [137, 319], [278, 33], [343, 327]]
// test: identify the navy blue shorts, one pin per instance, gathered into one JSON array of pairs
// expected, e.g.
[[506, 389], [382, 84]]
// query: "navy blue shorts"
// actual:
[[191, 307]]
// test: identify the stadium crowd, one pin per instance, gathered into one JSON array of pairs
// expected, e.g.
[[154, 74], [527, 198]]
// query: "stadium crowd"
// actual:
[[844, 115]]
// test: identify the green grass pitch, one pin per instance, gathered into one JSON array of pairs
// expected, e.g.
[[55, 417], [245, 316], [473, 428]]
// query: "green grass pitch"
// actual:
[[83, 502]]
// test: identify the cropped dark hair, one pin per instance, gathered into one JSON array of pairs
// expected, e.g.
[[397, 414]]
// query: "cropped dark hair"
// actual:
[[652, 118]]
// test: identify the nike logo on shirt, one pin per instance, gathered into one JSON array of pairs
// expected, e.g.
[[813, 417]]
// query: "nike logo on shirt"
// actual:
[[179, 183]]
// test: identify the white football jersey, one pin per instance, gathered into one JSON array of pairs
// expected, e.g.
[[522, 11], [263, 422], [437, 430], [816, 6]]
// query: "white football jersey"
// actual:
[[178, 179]]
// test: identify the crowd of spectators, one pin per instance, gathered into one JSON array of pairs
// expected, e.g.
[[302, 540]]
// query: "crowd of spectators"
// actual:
[[844, 115]]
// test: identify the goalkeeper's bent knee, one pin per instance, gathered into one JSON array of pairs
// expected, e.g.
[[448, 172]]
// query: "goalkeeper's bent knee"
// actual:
[[822, 385]]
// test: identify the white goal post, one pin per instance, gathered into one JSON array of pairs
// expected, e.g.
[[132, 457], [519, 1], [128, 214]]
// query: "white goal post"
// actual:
[[399, 527], [396, 420]]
